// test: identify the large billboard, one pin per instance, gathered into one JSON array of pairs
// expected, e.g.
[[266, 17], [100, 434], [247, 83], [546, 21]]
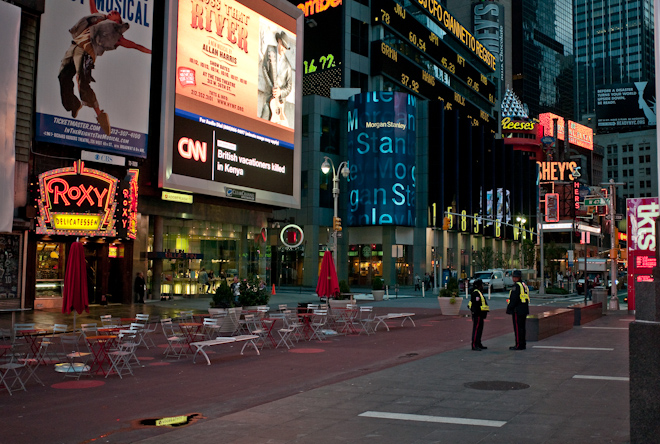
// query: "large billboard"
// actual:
[[93, 76], [579, 135], [382, 128], [641, 214], [626, 107], [233, 82]]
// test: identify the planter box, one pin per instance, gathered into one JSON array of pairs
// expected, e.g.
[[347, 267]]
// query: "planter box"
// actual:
[[378, 294], [342, 303], [449, 309]]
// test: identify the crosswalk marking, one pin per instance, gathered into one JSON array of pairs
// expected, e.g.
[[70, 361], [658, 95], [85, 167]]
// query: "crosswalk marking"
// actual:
[[607, 328], [436, 419], [574, 348], [604, 378]]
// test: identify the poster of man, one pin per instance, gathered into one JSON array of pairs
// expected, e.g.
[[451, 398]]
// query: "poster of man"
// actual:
[[94, 72], [276, 75]]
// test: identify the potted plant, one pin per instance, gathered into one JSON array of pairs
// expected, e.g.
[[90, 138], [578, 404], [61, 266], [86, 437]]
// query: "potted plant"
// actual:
[[450, 303], [377, 288], [253, 293], [344, 297], [223, 297]]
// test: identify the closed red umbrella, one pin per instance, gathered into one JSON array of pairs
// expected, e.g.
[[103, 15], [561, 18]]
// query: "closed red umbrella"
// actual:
[[74, 295], [328, 285]]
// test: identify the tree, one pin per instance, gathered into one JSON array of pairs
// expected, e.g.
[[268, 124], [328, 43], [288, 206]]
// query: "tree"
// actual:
[[483, 259], [528, 252]]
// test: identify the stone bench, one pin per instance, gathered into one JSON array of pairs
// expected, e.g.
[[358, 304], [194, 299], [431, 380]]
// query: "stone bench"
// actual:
[[588, 312], [548, 323], [405, 316], [201, 345]]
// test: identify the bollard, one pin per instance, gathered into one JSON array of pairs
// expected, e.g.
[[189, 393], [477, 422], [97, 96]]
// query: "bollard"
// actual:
[[489, 292]]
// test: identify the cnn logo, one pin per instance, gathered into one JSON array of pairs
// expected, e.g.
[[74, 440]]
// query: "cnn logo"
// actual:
[[192, 149]]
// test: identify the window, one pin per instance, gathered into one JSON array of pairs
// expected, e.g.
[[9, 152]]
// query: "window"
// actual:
[[359, 37], [609, 162], [625, 161], [648, 171], [625, 173], [641, 159], [630, 160], [648, 184], [630, 172], [329, 135], [648, 158], [641, 184], [359, 80]]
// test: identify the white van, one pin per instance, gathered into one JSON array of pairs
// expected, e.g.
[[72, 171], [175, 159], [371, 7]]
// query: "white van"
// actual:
[[527, 274], [493, 277]]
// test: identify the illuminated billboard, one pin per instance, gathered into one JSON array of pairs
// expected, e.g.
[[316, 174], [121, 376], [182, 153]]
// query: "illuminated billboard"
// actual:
[[94, 75], [77, 201], [641, 214], [579, 135], [232, 108], [626, 107], [381, 154]]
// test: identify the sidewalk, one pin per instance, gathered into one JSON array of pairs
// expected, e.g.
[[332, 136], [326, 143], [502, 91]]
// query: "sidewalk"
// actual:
[[350, 388]]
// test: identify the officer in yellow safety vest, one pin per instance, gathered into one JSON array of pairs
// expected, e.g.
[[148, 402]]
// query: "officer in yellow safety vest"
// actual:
[[479, 309], [518, 307]]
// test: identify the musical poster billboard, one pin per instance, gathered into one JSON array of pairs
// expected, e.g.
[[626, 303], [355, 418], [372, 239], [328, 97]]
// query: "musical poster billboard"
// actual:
[[626, 107], [94, 75], [233, 83]]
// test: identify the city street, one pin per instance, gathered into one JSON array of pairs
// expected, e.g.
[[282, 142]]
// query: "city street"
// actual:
[[417, 384]]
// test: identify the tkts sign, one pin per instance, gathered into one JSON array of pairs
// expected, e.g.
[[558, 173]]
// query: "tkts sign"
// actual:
[[77, 201]]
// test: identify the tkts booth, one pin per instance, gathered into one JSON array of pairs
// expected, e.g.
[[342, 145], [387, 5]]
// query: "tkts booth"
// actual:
[[101, 211]]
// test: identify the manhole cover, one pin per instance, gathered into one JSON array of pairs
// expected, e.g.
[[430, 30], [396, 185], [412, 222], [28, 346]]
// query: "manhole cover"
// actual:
[[496, 385]]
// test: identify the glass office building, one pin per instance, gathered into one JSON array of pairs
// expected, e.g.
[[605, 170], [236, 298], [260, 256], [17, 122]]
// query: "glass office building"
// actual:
[[543, 62], [613, 44]]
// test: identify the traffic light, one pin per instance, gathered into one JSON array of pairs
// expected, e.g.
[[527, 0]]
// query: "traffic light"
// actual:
[[446, 222], [336, 223], [614, 253]]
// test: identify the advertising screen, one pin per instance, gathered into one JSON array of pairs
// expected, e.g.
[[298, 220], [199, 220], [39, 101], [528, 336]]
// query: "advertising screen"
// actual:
[[641, 214], [381, 154], [579, 135], [236, 99], [626, 107], [93, 76]]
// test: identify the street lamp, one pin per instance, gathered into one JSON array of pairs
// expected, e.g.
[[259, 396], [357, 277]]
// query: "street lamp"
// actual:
[[336, 222]]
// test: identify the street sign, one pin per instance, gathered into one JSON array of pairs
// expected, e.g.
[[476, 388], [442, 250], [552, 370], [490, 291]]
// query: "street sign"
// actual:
[[618, 217], [596, 201]]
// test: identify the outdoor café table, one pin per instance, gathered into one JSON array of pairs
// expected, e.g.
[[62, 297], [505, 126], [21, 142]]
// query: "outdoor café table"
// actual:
[[99, 346], [306, 319], [31, 336], [109, 330], [345, 316], [268, 324], [128, 320], [190, 330]]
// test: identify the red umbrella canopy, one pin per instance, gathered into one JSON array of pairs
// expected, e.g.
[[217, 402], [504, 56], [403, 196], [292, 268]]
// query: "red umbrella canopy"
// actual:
[[74, 296], [328, 284]]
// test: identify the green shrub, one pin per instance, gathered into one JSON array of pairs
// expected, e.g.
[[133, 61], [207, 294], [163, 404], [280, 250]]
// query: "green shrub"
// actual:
[[556, 290], [376, 283], [223, 298], [252, 293], [343, 287]]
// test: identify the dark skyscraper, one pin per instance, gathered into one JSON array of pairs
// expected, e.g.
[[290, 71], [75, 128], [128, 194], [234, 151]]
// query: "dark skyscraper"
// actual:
[[613, 44], [543, 62]]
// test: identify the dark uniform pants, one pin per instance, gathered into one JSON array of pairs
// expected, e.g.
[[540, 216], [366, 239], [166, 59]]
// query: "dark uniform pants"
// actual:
[[519, 329], [477, 329]]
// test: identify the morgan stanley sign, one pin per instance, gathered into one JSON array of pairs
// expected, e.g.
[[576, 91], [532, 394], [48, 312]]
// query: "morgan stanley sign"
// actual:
[[381, 154]]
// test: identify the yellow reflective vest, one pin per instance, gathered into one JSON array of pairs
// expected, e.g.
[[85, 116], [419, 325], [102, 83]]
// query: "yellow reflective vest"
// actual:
[[484, 305], [524, 292]]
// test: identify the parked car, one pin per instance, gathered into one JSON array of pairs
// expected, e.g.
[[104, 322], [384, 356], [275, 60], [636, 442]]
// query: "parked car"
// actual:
[[494, 278]]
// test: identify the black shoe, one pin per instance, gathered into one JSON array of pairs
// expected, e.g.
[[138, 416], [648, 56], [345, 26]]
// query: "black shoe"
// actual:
[[478, 349], [516, 348], [483, 347]]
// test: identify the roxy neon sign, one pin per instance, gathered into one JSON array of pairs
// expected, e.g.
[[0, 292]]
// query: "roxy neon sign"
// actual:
[[77, 201]]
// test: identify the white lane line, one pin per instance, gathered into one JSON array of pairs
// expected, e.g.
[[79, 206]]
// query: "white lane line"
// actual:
[[608, 328], [437, 419], [604, 378], [574, 348]]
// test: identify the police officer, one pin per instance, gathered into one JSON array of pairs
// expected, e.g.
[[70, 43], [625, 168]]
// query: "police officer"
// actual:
[[479, 309], [518, 307]]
